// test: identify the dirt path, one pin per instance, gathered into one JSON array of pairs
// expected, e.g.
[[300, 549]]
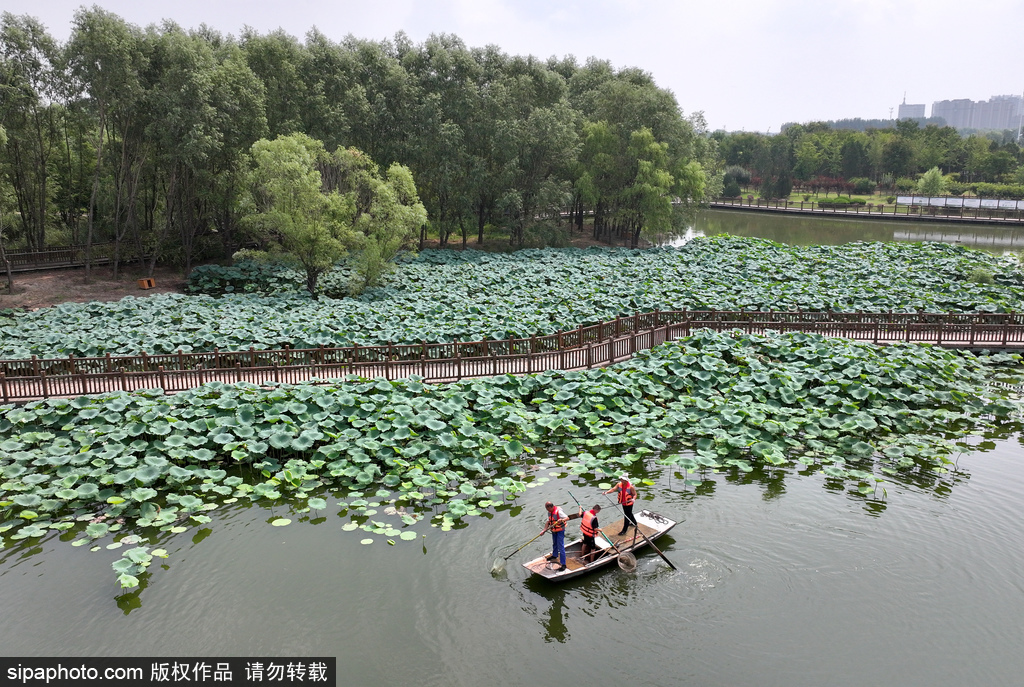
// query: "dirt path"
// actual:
[[34, 290]]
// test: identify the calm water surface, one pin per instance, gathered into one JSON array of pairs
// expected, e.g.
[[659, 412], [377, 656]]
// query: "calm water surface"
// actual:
[[803, 231], [784, 579]]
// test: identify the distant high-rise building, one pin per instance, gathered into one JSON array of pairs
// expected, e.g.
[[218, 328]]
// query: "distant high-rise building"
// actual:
[[957, 113], [998, 112], [911, 111]]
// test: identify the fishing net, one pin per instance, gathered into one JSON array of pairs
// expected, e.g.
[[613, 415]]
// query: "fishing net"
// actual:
[[627, 562]]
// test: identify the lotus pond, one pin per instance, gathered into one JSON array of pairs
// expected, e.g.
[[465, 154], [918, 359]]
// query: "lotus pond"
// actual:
[[785, 578], [108, 471], [443, 296]]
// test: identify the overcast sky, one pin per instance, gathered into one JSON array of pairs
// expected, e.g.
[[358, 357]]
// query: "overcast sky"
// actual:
[[746, 64]]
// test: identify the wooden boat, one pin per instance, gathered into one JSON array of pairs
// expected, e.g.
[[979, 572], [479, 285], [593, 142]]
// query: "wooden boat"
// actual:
[[652, 524]]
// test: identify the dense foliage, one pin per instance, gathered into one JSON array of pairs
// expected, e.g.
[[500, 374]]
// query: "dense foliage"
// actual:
[[815, 157], [136, 463], [141, 136], [443, 296]]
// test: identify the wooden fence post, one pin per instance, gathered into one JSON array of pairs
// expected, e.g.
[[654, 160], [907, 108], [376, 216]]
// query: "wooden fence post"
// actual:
[[160, 376], [3, 384], [124, 380], [974, 328], [181, 360], [1006, 328], [42, 379], [216, 358], [252, 357], [238, 372], [458, 360], [590, 356], [423, 360], [277, 374]]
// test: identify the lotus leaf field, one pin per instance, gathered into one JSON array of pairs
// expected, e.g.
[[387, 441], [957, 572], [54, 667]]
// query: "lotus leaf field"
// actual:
[[443, 296], [393, 458]]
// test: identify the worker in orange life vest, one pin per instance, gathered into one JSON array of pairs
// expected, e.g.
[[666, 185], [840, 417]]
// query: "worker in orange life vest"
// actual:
[[627, 496], [589, 528], [556, 525]]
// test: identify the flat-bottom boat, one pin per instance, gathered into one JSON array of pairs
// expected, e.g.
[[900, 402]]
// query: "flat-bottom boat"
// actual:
[[650, 523]]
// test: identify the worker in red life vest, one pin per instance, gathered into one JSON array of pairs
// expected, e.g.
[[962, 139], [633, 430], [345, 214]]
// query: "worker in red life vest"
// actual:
[[589, 528], [556, 525], [627, 496]]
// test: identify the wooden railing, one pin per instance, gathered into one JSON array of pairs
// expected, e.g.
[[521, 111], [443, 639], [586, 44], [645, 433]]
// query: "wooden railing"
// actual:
[[875, 210], [581, 348], [51, 258]]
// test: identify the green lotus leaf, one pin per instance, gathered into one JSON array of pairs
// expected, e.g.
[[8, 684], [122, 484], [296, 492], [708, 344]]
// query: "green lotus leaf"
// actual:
[[127, 581], [143, 494], [87, 490], [97, 529]]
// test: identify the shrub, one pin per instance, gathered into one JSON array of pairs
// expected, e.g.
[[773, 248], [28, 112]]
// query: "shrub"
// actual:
[[905, 184], [731, 188], [840, 202], [267, 277], [863, 186], [741, 175], [956, 189], [981, 276]]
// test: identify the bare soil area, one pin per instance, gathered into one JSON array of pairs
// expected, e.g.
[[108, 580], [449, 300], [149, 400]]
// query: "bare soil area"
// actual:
[[34, 290]]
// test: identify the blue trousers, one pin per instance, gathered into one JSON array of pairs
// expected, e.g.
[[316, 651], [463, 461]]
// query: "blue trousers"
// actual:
[[558, 546]]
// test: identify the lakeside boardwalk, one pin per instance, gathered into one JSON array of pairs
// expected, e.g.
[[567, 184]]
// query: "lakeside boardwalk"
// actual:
[[887, 213], [584, 348]]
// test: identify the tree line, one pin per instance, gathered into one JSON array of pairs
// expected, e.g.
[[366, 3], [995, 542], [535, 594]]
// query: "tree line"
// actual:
[[144, 137], [891, 159]]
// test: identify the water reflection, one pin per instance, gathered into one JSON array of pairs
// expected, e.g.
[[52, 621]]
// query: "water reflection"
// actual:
[[824, 230]]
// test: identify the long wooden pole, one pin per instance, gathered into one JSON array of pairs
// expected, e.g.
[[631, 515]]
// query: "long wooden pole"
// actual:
[[636, 525]]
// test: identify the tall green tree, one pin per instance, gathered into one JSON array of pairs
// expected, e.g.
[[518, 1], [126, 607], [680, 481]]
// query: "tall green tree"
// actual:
[[28, 80], [292, 210]]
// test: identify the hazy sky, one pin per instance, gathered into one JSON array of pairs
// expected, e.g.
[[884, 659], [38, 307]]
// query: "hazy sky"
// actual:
[[747, 65]]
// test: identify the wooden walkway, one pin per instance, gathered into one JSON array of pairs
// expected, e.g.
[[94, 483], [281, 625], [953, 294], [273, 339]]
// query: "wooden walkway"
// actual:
[[578, 349], [898, 213]]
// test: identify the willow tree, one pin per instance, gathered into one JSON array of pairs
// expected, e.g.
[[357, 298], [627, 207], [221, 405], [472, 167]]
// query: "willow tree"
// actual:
[[386, 210], [292, 210]]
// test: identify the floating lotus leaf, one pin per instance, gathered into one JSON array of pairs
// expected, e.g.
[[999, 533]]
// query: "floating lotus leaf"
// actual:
[[143, 494], [189, 502], [281, 522], [366, 541], [87, 490], [127, 581]]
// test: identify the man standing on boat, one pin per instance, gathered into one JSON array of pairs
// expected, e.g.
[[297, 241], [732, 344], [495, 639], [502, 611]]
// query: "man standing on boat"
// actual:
[[627, 496], [556, 525], [588, 528]]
